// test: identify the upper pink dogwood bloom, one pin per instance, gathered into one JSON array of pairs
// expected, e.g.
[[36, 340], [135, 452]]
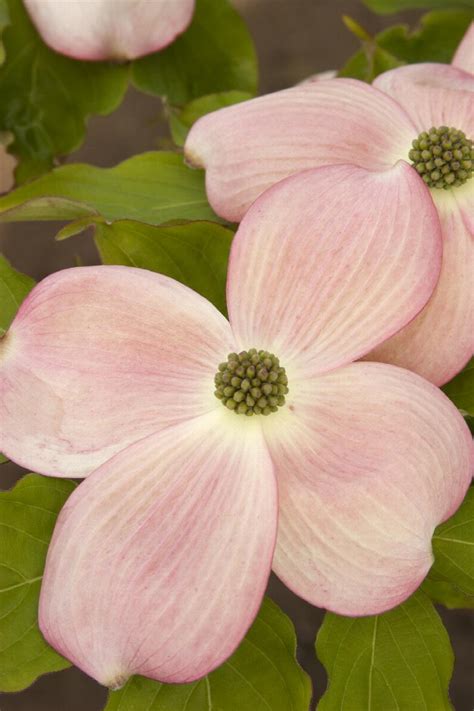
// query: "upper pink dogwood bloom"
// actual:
[[109, 29], [160, 559], [248, 147]]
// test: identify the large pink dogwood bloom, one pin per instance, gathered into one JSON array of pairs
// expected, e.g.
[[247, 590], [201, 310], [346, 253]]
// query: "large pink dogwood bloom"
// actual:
[[248, 147], [109, 29], [160, 559]]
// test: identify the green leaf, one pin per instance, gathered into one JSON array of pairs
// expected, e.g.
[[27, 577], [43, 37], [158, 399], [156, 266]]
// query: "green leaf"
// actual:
[[398, 661], [181, 120], [152, 187], [27, 517], [46, 97], [450, 581], [385, 7], [434, 40], [453, 548], [445, 593], [14, 286], [195, 253], [215, 54], [369, 62], [3, 460], [4, 22], [461, 389], [262, 674]]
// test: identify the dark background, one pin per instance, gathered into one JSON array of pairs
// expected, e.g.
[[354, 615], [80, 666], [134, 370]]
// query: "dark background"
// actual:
[[294, 38]]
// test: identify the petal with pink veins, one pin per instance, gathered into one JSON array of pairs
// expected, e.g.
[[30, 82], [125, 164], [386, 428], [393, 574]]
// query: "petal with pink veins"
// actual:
[[440, 341], [329, 262], [160, 559], [99, 357], [433, 95], [109, 29], [464, 56], [369, 459], [249, 147]]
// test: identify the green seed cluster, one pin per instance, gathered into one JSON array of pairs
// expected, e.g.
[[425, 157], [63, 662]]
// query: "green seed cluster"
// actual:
[[443, 156], [251, 383]]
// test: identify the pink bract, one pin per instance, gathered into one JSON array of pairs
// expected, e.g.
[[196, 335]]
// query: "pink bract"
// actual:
[[464, 56], [109, 29], [159, 560], [247, 148]]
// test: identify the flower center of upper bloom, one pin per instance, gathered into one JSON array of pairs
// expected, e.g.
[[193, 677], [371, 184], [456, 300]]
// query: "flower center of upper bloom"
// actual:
[[443, 156], [251, 383]]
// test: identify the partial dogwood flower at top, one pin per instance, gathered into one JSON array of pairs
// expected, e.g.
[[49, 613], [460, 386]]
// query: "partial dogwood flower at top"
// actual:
[[203, 434], [109, 29], [423, 114]]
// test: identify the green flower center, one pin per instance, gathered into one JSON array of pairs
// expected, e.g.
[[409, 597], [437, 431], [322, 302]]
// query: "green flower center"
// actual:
[[443, 156], [251, 383]]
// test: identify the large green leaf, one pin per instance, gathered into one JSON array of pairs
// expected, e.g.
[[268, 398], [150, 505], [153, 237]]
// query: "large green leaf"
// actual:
[[4, 22], [435, 40], [215, 54], [27, 517], [447, 594], [461, 389], [46, 97], [470, 422], [387, 6], [453, 547], [152, 187], [195, 253], [14, 286], [398, 661], [262, 675]]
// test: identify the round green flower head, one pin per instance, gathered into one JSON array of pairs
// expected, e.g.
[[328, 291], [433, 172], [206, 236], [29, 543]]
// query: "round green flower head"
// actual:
[[251, 383], [444, 157]]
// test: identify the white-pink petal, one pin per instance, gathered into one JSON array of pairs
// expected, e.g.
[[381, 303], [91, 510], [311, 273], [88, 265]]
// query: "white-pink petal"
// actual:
[[440, 341], [432, 95], [99, 357], [464, 56], [369, 459], [109, 29], [160, 559], [329, 262], [249, 147]]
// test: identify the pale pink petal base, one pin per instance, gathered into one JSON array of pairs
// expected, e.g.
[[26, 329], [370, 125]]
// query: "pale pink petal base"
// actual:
[[160, 559], [99, 357], [249, 147], [440, 341], [329, 262], [109, 29], [464, 56], [369, 459], [432, 95]]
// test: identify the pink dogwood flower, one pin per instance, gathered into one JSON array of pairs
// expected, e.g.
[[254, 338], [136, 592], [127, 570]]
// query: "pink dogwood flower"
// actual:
[[208, 435], [249, 147], [109, 29]]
